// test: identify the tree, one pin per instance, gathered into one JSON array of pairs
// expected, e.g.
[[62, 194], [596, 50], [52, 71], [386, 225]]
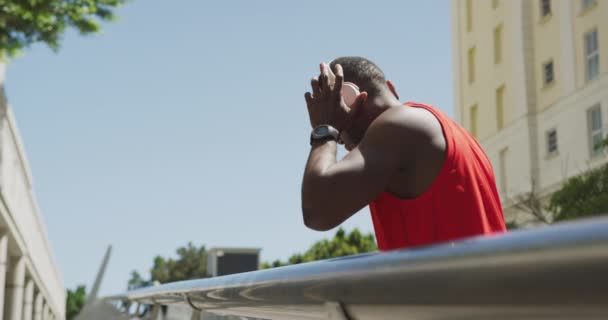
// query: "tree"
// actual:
[[23, 23], [136, 281], [531, 204], [341, 245], [191, 263], [75, 300], [582, 196]]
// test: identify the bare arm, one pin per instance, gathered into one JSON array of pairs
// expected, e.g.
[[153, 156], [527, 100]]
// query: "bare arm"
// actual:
[[332, 190]]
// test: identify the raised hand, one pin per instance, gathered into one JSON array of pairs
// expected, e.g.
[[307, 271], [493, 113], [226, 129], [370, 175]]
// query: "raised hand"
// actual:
[[325, 104]]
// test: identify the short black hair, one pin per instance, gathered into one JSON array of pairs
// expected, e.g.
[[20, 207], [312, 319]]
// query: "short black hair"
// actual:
[[362, 72]]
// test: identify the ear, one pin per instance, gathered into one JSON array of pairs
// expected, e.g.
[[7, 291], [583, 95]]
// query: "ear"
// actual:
[[392, 88]]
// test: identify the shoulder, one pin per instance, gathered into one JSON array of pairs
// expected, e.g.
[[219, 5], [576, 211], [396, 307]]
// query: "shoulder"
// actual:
[[408, 124]]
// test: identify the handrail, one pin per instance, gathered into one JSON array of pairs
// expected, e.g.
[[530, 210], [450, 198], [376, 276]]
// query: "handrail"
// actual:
[[557, 271]]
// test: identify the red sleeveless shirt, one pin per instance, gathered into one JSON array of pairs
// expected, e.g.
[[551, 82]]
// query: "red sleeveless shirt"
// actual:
[[461, 202]]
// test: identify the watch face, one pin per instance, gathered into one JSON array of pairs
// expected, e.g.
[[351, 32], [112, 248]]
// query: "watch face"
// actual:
[[321, 131]]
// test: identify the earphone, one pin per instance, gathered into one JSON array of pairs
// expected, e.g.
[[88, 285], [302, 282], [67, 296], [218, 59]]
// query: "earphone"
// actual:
[[349, 90]]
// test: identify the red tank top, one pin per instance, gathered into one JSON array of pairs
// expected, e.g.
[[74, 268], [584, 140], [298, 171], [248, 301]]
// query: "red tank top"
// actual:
[[461, 202]]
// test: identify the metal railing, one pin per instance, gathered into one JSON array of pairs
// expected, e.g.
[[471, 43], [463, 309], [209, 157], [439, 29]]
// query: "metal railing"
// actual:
[[557, 272]]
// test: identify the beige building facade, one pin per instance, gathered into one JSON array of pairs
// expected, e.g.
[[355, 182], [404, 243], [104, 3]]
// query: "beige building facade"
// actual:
[[531, 83], [30, 285]]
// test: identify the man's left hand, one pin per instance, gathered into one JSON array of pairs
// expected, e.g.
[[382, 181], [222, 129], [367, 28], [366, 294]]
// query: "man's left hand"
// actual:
[[325, 103]]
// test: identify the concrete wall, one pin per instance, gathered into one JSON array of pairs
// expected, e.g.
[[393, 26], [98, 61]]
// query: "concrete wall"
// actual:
[[28, 245], [569, 117]]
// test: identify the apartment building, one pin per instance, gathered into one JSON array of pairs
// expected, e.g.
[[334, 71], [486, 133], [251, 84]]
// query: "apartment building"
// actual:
[[531, 83]]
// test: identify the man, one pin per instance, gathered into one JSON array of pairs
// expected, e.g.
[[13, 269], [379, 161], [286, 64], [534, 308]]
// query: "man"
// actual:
[[425, 178]]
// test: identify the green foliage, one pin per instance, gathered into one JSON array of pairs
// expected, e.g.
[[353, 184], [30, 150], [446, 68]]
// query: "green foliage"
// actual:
[[341, 245], [191, 263], [582, 196], [136, 281], [23, 22], [75, 300], [274, 264]]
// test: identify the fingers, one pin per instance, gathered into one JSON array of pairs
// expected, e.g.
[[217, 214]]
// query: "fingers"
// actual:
[[321, 86], [324, 78], [314, 83], [308, 98], [339, 79]]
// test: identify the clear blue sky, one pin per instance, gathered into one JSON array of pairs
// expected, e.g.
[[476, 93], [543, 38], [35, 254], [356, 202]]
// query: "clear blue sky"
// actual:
[[185, 121]]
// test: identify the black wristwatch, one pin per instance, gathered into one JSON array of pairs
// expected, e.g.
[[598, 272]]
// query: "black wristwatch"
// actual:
[[324, 132]]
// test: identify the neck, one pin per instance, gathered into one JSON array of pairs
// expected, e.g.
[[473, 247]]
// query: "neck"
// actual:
[[376, 109], [384, 102]]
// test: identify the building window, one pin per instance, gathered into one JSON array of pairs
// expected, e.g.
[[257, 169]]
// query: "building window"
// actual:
[[551, 141], [495, 4], [471, 64], [545, 8], [592, 55], [586, 4], [469, 15], [596, 134], [503, 169], [498, 44], [548, 73], [500, 107], [473, 120]]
